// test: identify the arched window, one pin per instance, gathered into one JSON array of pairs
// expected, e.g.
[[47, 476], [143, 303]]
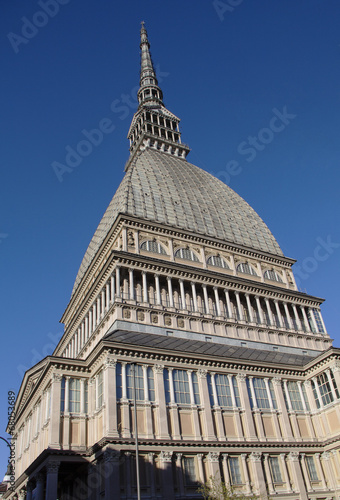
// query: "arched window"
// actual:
[[153, 246], [270, 274], [186, 253], [246, 268], [217, 261]]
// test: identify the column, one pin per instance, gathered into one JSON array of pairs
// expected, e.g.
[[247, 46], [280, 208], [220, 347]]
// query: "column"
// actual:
[[194, 296], [98, 310], [305, 319], [165, 458], [316, 385], [124, 390], [245, 472], [158, 290], [111, 473], [208, 430], [336, 372], [259, 309], [67, 395], [239, 306], [217, 301], [94, 313], [162, 417], [82, 334], [311, 314], [297, 319], [118, 281], [213, 385], [29, 490], [107, 296], [301, 395], [213, 460], [260, 483], [102, 301], [278, 312], [218, 414], [269, 311], [54, 427], [200, 468], [266, 381], [179, 474], [112, 286], [285, 472], [319, 465], [206, 300], [328, 373], [250, 312], [90, 323], [225, 469], [171, 296], [299, 484], [86, 329], [268, 474], [110, 397], [145, 288], [253, 395], [250, 432], [151, 457], [181, 287], [281, 403], [305, 472], [131, 285], [40, 486], [52, 469], [289, 319], [227, 298]]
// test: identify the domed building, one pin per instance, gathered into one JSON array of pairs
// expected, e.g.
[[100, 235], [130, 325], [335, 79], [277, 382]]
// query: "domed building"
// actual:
[[187, 344]]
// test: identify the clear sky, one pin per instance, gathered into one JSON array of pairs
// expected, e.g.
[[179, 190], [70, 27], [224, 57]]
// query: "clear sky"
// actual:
[[227, 69]]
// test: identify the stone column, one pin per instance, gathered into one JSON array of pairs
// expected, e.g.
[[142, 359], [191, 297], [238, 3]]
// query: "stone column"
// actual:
[[259, 309], [319, 466], [54, 427], [278, 312], [213, 460], [110, 397], [52, 469], [316, 385], [250, 312], [311, 314], [98, 310], [271, 488], [86, 329], [208, 431], [170, 292], [181, 287], [239, 305], [206, 300], [102, 303], [173, 409], [131, 285], [269, 311], [227, 298], [285, 472], [289, 319], [297, 319], [245, 472], [29, 490], [299, 485], [260, 484], [217, 301], [148, 409], [112, 287], [305, 319], [107, 296], [225, 469], [200, 468], [248, 420], [286, 426], [194, 296], [151, 457], [179, 474], [40, 486], [162, 417], [218, 413], [305, 472], [111, 473], [118, 281], [167, 476]]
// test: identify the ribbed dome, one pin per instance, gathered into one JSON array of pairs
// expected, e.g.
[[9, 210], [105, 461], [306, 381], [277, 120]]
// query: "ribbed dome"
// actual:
[[167, 189]]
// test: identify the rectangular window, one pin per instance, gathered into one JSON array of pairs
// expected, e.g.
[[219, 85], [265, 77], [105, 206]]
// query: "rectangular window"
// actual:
[[211, 394], [196, 389], [318, 321], [189, 471], [167, 386], [139, 382], [62, 397], [294, 395], [236, 392], [86, 396], [235, 472], [74, 395], [181, 386], [325, 389], [119, 380], [315, 394], [223, 390], [151, 384], [275, 469], [313, 475], [100, 385]]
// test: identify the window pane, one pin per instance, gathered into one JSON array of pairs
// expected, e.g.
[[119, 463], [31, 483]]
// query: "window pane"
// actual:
[[139, 382], [261, 393], [181, 386], [313, 475], [325, 389], [235, 473], [119, 380], [74, 394], [196, 388], [151, 384], [223, 390], [189, 471], [275, 469]]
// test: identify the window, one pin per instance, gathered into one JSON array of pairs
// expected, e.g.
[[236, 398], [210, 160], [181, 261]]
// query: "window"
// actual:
[[261, 393], [246, 268], [273, 276], [186, 253], [217, 261], [196, 389], [325, 389], [153, 246], [223, 390], [313, 475], [100, 387], [181, 386], [139, 382], [74, 395], [235, 472], [318, 320], [275, 469], [189, 470], [295, 396]]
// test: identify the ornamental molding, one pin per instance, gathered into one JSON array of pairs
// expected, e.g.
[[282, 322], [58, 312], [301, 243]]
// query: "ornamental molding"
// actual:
[[293, 456], [166, 456], [255, 456], [213, 456], [52, 467]]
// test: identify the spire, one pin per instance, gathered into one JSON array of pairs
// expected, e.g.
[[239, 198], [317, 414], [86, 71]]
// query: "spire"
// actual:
[[153, 125], [149, 90]]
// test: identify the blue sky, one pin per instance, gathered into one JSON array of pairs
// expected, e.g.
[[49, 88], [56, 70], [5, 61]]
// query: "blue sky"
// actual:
[[226, 69]]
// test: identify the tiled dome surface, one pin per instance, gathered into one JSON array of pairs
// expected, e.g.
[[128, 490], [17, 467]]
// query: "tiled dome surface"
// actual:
[[164, 188]]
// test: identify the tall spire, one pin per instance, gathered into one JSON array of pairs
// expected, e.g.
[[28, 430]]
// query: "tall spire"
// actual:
[[153, 125], [149, 90]]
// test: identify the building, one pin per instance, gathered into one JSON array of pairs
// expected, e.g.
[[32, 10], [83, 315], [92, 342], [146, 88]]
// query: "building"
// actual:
[[184, 285]]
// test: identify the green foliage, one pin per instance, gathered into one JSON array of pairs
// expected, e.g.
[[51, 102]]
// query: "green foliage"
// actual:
[[215, 489]]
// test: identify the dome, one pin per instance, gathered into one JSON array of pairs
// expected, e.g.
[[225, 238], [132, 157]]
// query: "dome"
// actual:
[[163, 188]]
